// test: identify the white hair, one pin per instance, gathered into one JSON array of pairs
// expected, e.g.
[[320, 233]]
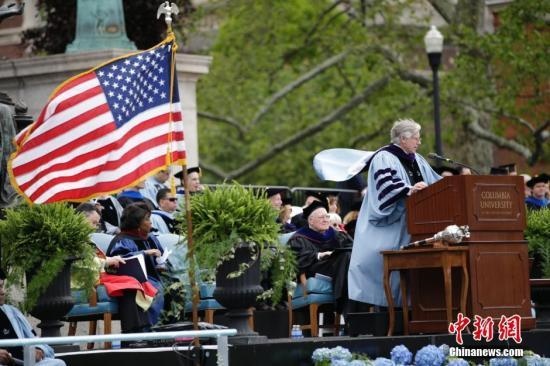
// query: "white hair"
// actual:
[[403, 128], [334, 219]]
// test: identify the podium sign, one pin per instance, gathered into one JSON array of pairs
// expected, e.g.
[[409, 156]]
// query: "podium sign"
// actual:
[[493, 208]]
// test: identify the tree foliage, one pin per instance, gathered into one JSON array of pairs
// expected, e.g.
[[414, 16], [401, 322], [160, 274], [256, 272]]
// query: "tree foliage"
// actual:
[[500, 77], [297, 77], [291, 78]]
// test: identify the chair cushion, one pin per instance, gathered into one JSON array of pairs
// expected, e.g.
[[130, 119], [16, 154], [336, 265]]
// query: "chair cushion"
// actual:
[[314, 285], [85, 309], [300, 302], [81, 296]]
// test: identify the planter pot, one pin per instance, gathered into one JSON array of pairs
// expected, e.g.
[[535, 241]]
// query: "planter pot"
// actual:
[[54, 303], [540, 295], [239, 294], [271, 323]]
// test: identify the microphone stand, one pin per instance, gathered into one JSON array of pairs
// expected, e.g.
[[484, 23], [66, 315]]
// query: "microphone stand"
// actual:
[[447, 160], [465, 166]]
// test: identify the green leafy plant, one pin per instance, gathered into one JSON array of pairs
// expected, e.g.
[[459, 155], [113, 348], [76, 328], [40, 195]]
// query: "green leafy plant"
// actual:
[[279, 262], [36, 242], [537, 235], [230, 216]]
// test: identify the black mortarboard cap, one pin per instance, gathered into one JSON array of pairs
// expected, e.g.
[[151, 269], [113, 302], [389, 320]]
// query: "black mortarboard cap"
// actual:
[[510, 167], [273, 191], [541, 178], [194, 169], [314, 205], [316, 194], [498, 171]]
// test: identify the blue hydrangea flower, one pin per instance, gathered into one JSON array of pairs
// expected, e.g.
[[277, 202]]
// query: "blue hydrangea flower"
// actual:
[[401, 355], [503, 361], [534, 360], [357, 363], [321, 354], [382, 361], [340, 353], [338, 362], [445, 349], [430, 356], [458, 362]]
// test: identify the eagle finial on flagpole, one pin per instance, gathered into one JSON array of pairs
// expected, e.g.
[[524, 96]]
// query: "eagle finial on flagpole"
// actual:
[[168, 9]]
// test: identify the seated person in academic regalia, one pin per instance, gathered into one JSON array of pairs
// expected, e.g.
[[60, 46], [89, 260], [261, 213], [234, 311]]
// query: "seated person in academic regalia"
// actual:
[[134, 298], [136, 238], [13, 324], [278, 201], [110, 210], [320, 249], [275, 197], [285, 215], [299, 220], [193, 184], [350, 220], [193, 180], [153, 184], [506, 169], [163, 220], [539, 190], [132, 195]]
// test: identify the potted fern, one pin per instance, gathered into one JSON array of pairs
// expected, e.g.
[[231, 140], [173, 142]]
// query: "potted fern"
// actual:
[[233, 228], [39, 244], [537, 234]]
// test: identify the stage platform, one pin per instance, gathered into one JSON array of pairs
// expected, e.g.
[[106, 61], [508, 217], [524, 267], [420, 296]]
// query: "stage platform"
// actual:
[[292, 352]]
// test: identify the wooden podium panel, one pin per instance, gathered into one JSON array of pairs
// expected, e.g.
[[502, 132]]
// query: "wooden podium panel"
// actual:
[[499, 275], [493, 208], [487, 204], [428, 313]]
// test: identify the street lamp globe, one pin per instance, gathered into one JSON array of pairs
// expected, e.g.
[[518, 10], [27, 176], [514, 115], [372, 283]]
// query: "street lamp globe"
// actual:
[[434, 48], [433, 40]]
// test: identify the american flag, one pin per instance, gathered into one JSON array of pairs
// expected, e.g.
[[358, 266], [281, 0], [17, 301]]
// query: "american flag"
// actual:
[[102, 130]]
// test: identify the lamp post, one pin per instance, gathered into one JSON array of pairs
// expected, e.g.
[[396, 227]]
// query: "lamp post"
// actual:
[[434, 47]]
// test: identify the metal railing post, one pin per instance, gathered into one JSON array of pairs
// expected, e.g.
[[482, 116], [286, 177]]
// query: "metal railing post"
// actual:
[[223, 351], [29, 355]]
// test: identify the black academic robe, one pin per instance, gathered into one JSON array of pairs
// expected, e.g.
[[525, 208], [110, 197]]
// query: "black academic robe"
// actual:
[[307, 243]]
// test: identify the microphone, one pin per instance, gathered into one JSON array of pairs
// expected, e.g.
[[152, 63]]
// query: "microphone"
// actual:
[[434, 156]]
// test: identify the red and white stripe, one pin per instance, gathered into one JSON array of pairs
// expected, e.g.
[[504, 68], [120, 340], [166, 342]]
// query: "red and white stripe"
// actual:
[[74, 150]]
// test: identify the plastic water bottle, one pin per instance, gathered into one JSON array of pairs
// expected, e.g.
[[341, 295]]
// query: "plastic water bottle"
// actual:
[[296, 332]]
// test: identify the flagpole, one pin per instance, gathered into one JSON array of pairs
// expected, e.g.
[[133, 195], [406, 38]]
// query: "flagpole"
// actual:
[[168, 9], [191, 252]]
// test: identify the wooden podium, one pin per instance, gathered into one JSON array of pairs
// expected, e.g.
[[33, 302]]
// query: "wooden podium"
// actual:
[[493, 208]]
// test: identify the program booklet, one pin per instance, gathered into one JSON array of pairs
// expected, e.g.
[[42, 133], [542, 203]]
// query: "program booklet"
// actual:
[[134, 267]]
